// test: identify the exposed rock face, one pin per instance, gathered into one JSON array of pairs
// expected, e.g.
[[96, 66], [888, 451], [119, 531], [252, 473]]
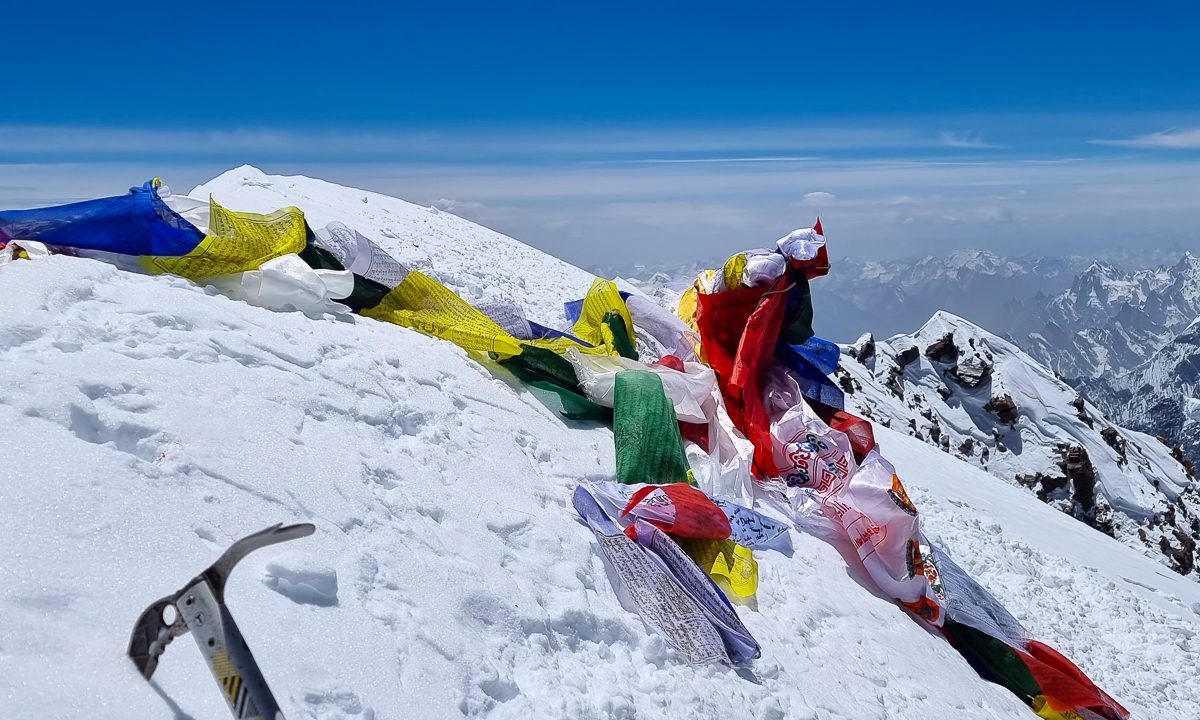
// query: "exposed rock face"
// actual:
[[972, 371], [1078, 468], [969, 370], [1183, 558], [1081, 411], [893, 383], [943, 350], [1003, 407], [967, 447], [863, 349], [1043, 484], [1186, 462], [907, 357], [1116, 442]]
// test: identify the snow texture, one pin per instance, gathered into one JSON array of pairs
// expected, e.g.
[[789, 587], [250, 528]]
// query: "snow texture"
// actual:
[[151, 422]]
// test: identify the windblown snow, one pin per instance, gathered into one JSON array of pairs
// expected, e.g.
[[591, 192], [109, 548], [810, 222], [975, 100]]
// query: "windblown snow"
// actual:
[[151, 422]]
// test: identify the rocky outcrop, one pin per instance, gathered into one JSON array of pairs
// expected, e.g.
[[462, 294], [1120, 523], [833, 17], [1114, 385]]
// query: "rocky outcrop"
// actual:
[[969, 367], [1185, 461], [1114, 440], [973, 371], [1043, 484], [1081, 410], [1003, 407], [863, 348], [1078, 468], [943, 349], [1183, 557], [962, 398]]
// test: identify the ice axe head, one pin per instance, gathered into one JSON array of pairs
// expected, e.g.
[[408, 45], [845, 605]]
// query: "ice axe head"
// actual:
[[152, 633]]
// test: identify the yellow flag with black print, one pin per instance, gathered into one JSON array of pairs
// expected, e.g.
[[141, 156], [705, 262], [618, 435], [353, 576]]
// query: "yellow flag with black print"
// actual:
[[236, 242]]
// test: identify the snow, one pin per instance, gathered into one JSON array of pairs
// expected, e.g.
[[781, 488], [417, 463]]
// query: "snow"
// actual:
[[1192, 409], [151, 422], [471, 260], [1138, 485], [1110, 321]]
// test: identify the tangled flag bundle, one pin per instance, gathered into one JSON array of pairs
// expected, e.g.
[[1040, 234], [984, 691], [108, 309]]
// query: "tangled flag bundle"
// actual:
[[721, 407]]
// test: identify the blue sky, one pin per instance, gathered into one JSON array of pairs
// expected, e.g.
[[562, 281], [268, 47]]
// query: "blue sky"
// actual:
[[651, 130]]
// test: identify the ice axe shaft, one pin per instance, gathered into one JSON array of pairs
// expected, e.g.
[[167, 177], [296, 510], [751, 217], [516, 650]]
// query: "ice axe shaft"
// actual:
[[200, 608], [230, 660]]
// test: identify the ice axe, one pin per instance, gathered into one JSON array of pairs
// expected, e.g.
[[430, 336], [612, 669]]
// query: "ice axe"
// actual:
[[200, 609]]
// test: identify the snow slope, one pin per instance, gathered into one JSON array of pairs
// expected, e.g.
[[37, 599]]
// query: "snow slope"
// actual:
[[1143, 493], [151, 422], [475, 262]]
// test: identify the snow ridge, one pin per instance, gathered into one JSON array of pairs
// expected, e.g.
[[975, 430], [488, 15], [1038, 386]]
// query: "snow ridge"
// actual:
[[982, 399]]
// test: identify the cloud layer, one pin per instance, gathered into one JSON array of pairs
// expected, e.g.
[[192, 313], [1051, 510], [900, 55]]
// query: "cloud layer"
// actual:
[[659, 194], [1176, 139]]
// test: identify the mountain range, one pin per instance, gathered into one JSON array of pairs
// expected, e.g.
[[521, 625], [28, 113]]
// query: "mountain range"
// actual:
[[1130, 341]]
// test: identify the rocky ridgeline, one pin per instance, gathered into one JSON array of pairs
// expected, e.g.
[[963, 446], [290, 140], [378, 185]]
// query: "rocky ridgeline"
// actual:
[[979, 397]]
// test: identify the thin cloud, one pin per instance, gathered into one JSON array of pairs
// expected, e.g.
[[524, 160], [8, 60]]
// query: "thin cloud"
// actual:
[[591, 212], [451, 205], [818, 198], [1175, 139], [636, 145], [963, 140], [687, 161]]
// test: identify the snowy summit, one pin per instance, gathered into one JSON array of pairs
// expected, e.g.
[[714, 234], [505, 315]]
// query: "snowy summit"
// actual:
[[152, 422]]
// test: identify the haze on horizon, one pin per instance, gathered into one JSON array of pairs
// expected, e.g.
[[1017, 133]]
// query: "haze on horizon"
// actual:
[[631, 133]]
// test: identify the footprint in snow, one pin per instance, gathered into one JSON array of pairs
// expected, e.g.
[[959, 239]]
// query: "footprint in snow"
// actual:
[[303, 581], [208, 537], [336, 704]]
